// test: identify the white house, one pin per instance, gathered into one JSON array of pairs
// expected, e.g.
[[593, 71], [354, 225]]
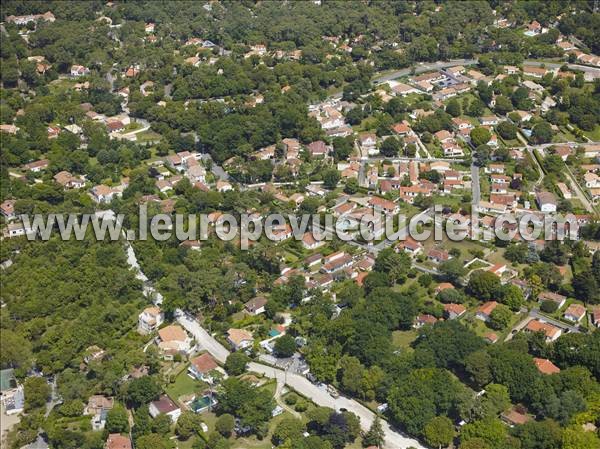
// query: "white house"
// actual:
[[165, 405], [150, 320], [546, 201]]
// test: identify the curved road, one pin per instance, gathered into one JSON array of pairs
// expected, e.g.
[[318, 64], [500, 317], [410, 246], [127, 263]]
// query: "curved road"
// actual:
[[319, 395]]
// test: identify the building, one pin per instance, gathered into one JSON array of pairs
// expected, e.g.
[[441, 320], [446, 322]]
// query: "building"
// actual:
[[551, 332], [173, 340], [256, 305], [545, 366], [79, 70], [68, 181], [554, 297], [165, 405], [546, 201], [484, 311], [425, 319], [16, 229], [202, 366], [117, 441], [239, 338], [150, 320], [7, 208], [596, 317], [454, 311], [575, 313], [309, 242], [104, 194], [438, 256], [98, 406], [36, 166]]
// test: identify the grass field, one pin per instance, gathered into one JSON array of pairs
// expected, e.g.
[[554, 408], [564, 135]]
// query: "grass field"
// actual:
[[403, 339], [594, 134], [184, 385]]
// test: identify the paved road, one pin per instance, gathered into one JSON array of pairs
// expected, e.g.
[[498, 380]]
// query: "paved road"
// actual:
[[394, 440], [535, 313], [475, 186], [320, 396], [216, 169]]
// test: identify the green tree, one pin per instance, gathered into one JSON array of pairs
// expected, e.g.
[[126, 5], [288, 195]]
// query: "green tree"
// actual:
[[542, 133], [453, 108], [188, 424], [439, 431], [495, 400], [483, 285], [375, 436], [117, 420], [151, 441], [285, 346], [331, 177], [395, 265], [36, 391], [480, 136], [351, 186], [288, 429], [161, 424], [236, 362], [390, 147], [500, 317], [142, 391], [225, 424], [507, 130], [545, 434]]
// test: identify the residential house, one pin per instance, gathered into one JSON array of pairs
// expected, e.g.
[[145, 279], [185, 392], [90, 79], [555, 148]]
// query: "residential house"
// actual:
[[551, 332], [256, 305], [239, 338], [410, 246], [98, 407], [117, 441], [546, 201], [559, 300], [424, 320], [386, 206], [309, 242], [596, 316], [36, 166], [16, 229], [202, 367], [575, 313], [104, 194], [7, 208], [150, 320], [545, 366], [79, 70], [535, 72], [68, 181], [173, 340], [485, 310], [438, 256], [166, 406], [454, 311]]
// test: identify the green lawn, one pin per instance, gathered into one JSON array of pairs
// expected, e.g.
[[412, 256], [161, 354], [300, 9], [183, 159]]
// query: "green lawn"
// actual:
[[594, 134], [184, 385], [403, 339]]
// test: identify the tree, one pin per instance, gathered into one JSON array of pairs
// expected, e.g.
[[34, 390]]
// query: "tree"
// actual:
[[503, 105], [483, 285], [507, 130], [161, 424], [342, 147], [396, 265], [490, 430], [225, 424], [351, 186], [188, 424], [288, 429], [453, 108], [495, 400], [331, 177], [439, 431], [452, 270], [480, 136], [477, 364], [511, 296], [285, 346], [37, 392], [390, 147], [500, 317], [142, 391], [545, 434], [236, 362], [542, 133], [151, 441], [352, 375], [375, 436], [117, 420]]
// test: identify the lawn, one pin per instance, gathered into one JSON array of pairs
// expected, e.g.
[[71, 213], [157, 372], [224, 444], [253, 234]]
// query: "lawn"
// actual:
[[403, 339], [147, 136], [184, 385], [594, 134]]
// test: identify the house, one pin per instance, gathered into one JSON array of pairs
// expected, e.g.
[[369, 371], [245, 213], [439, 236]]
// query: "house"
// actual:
[[150, 320], [16, 229], [443, 135], [546, 201], [9, 129], [164, 405], [534, 28], [535, 72], [256, 305], [117, 441], [368, 141], [202, 366], [115, 126], [554, 297], [68, 181], [309, 242], [381, 204], [239, 338], [332, 265], [223, 186], [453, 311], [575, 313], [173, 340], [485, 310], [592, 180], [410, 246], [79, 70], [402, 128], [37, 166], [317, 148], [545, 366], [438, 256], [516, 416], [425, 319], [491, 337], [489, 120], [313, 260], [98, 407], [564, 190], [103, 193], [7, 208], [591, 151], [551, 332]]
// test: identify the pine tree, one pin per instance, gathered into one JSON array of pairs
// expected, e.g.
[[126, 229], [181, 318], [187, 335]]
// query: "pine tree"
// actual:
[[375, 435]]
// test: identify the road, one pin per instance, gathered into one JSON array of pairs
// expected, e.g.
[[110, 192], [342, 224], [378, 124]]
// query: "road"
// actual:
[[320, 396], [475, 186], [216, 169], [535, 314]]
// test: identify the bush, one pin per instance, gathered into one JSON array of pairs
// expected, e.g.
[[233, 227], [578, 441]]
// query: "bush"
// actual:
[[225, 424], [548, 307], [291, 399], [301, 406]]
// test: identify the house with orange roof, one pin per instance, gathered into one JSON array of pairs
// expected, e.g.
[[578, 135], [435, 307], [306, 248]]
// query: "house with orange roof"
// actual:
[[173, 340], [575, 313], [454, 311], [550, 331], [485, 310], [239, 338], [202, 367], [545, 366]]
